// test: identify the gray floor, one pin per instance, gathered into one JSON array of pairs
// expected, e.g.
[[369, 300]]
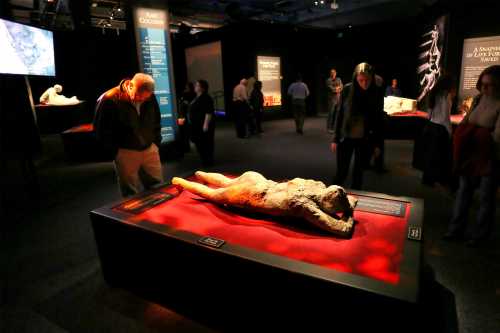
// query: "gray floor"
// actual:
[[51, 274]]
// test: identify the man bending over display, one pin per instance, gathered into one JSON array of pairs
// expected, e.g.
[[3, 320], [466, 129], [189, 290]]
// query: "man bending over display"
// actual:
[[302, 198]]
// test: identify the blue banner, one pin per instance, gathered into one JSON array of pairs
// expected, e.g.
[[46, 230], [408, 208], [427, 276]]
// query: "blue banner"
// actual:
[[154, 53]]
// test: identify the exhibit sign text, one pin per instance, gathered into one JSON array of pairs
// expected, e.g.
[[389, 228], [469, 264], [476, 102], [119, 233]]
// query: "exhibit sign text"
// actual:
[[153, 47], [478, 53], [269, 72]]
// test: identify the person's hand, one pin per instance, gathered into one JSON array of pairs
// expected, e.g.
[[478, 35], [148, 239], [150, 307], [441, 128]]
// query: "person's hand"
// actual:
[[333, 146], [205, 128], [377, 152]]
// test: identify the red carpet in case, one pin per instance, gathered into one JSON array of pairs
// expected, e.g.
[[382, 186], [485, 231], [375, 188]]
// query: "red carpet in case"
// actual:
[[375, 249]]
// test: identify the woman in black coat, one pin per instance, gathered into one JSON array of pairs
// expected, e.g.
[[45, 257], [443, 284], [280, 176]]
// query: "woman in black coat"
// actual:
[[186, 98], [202, 122], [359, 124]]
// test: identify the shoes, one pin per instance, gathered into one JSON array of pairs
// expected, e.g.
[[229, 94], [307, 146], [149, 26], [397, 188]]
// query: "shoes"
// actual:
[[472, 243], [299, 131], [452, 236]]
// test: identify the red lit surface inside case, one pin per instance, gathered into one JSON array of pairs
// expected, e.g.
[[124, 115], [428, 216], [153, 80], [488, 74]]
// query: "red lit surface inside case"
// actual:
[[419, 114], [375, 249]]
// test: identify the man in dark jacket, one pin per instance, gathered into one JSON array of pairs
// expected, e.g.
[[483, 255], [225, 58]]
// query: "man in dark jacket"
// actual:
[[127, 123]]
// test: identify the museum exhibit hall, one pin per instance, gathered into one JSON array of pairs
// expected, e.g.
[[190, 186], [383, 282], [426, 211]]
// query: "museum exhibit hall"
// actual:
[[250, 166]]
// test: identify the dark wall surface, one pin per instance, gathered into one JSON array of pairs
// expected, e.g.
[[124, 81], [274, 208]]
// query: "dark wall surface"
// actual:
[[312, 52]]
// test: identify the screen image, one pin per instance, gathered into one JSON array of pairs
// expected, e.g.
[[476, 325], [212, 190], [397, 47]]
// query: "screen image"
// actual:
[[26, 50], [205, 62], [478, 53], [154, 56], [269, 72]]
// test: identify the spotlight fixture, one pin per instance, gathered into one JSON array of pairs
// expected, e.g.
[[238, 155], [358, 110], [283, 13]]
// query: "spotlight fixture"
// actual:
[[322, 2], [316, 3]]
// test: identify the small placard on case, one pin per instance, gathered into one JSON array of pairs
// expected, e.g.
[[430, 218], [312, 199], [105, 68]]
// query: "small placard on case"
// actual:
[[211, 241], [414, 233]]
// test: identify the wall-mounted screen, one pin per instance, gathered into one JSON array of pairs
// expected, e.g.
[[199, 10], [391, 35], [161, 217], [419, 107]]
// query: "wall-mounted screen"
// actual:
[[153, 47], [205, 62], [26, 50], [269, 72], [478, 53]]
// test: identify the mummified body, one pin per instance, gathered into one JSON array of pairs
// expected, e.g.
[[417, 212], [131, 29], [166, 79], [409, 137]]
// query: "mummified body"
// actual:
[[302, 198]]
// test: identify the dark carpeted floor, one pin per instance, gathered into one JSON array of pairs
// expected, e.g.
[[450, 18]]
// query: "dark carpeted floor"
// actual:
[[51, 274]]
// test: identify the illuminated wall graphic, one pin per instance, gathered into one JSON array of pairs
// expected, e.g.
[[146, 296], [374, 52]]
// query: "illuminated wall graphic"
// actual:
[[205, 62], [478, 53], [269, 72], [153, 47], [431, 54]]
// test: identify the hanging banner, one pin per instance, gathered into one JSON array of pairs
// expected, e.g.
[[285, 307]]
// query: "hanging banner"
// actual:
[[153, 48], [431, 56], [269, 72]]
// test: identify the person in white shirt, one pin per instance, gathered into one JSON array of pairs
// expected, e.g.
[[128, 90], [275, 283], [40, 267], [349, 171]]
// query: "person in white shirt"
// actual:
[[298, 93], [240, 108]]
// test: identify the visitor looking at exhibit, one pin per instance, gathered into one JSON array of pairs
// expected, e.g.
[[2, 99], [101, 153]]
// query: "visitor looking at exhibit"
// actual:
[[393, 89], [240, 108], [334, 89], [298, 92], [476, 147], [127, 123], [257, 105], [183, 121], [436, 136], [358, 125], [202, 121]]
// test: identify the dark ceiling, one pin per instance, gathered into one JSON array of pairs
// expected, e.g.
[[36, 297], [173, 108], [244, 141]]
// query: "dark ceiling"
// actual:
[[317, 13], [209, 14]]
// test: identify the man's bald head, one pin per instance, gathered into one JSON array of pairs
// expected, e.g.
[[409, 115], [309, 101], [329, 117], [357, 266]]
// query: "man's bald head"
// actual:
[[141, 87]]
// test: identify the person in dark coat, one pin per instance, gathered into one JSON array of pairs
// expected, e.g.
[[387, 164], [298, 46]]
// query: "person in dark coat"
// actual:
[[476, 157], [436, 136], [257, 105], [359, 124], [186, 98], [202, 123]]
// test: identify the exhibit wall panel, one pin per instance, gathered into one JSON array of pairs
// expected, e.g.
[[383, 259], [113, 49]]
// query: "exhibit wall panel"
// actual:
[[269, 72], [155, 58], [477, 54], [205, 62]]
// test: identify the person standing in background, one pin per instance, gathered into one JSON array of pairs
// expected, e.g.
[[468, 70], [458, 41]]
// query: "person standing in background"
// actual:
[[250, 85], [436, 136], [358, 125], [393, 89], [240, 108], [186, 98], [476, 150], [257, 105], [298, 93], [202, 123], [127, 123], [334, 90]]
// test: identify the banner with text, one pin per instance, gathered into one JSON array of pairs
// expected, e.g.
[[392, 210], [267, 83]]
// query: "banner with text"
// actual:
[[269, 72], [153, 47], [478, 53]]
